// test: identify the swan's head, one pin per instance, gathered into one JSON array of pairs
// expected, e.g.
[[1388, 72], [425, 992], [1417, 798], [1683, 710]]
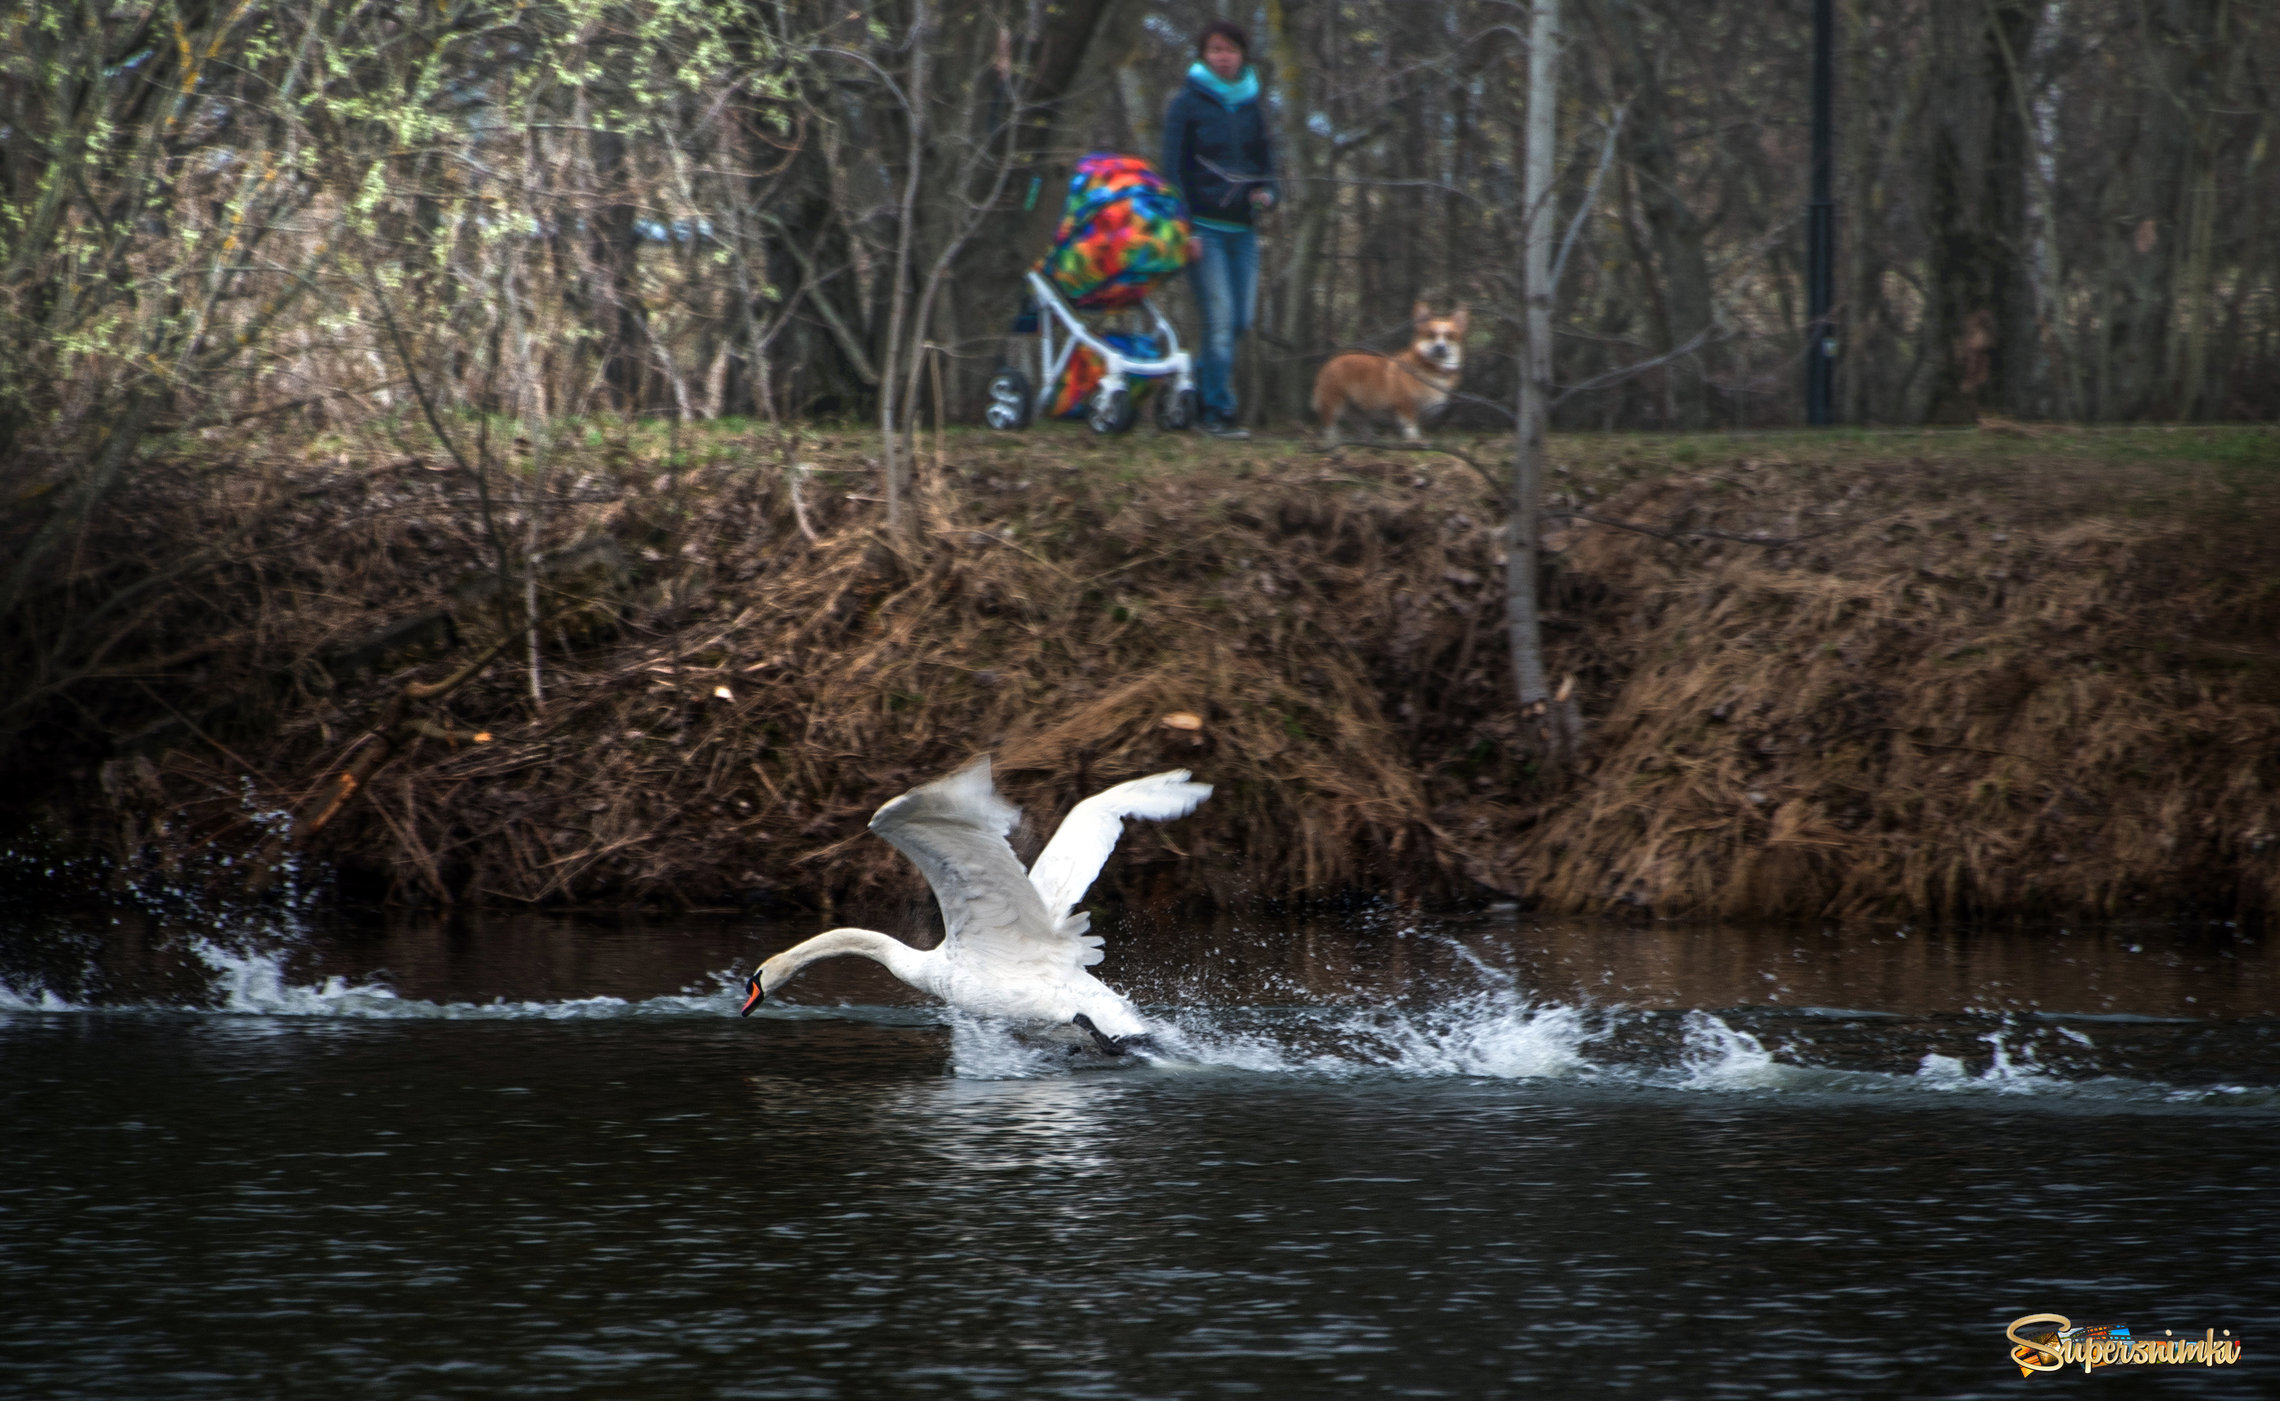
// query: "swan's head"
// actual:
[[773, 974], [765, 979]]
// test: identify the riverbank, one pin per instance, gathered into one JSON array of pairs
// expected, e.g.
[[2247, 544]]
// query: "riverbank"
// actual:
[[1992, 673]]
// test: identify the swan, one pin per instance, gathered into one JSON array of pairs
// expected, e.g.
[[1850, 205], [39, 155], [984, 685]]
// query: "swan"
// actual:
[[1013, 948]]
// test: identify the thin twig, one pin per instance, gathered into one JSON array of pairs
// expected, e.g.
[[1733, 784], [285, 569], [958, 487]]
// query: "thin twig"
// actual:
[[1638, 367]]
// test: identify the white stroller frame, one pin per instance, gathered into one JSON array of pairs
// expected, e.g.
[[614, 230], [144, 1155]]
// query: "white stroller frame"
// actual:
[[1110, 413]]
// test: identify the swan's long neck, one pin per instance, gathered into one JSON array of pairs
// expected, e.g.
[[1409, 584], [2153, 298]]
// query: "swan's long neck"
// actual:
[[909, 964]]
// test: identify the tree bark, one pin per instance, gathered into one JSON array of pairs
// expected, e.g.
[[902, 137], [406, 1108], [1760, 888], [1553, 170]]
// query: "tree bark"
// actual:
[[1307, 201], [1860, 193], [890, 455], [1555, 728], [615, 248], [1675, 231], [2145, 235], [1980, 321]]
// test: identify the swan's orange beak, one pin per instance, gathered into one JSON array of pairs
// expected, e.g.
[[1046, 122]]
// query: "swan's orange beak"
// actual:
[[753, 992]]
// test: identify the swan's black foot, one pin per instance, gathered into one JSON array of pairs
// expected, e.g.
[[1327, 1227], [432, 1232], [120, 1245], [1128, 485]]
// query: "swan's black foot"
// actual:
[[1113, 1045], [1109, 1045]]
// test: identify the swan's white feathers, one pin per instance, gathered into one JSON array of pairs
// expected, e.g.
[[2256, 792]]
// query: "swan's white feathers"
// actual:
[[954, 830], [1013, 946], [1066, 869], [966, 798]]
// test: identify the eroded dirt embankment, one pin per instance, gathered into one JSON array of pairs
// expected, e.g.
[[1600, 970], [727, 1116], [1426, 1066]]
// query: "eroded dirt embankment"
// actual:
[[1954, 674]]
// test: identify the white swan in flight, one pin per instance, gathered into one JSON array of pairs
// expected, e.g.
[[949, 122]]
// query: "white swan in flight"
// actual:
[[1013, 947]]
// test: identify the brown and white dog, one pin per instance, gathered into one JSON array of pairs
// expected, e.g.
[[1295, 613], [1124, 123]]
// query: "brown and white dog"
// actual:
[[1408, 386]]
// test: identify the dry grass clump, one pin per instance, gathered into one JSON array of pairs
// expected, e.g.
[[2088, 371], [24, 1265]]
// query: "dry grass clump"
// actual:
[[1083, 616], [1944, 674], [1968, 688]]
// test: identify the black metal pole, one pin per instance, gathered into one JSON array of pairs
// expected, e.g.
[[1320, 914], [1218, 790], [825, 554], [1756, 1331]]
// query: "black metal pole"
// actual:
[[1820, 230]]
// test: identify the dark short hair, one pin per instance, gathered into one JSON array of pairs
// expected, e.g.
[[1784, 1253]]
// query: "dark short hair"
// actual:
[[1226, 29]]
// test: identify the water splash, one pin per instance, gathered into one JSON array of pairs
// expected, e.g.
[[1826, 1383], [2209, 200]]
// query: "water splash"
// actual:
[[255, 983], [984, 1050], [26, 996], [1717, 1057], [249, 981], [1494, 1031], [2010, 1069], [1480, 1037]]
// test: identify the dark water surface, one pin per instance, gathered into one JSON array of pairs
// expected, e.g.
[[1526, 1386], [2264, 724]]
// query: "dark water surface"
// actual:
[[1487, 1159]]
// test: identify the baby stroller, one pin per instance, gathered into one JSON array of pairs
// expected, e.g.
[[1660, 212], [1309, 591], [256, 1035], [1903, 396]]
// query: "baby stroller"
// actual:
[[1121, 229]]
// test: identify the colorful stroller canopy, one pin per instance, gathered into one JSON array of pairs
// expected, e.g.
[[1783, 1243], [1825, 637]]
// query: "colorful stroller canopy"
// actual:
[[1121, 229]]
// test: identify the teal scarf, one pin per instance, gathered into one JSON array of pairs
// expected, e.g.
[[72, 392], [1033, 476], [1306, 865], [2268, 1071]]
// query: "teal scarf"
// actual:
[[1235, 94]]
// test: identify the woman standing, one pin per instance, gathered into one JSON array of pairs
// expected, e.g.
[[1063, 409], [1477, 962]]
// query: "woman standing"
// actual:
[[1216, 151]]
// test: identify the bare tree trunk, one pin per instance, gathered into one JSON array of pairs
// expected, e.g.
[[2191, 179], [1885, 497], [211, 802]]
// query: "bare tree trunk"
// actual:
[[1682, 264], [2196, 290], [890, 444], [1308, 200], [615, 249], [1523, 527], [1861, 192], [1980, 320], [2153, 191], [2256, 252], [958, 223], [2053, 383]]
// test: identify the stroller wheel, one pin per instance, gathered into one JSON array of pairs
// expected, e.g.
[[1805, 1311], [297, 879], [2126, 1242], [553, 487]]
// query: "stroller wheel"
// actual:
[[1113, 412], [1175, 412], [1010, 403]]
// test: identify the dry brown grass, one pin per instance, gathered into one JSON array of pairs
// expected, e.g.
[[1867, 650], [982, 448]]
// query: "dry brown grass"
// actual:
[[1993, 674], [2013, 684], [1055, 617]]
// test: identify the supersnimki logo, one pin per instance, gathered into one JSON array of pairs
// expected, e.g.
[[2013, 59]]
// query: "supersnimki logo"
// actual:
[[2045, 1342]]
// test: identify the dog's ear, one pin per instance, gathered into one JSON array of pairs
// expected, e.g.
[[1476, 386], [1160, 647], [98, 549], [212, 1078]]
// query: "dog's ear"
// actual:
[[1458, 316], [1421, 313]]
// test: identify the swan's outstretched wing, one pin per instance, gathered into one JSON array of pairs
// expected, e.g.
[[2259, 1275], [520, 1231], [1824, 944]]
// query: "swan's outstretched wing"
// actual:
[[954, 830], [1065, 869]]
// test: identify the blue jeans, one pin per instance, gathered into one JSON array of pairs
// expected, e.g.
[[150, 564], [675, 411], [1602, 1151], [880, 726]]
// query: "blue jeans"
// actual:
[[1226, 273]]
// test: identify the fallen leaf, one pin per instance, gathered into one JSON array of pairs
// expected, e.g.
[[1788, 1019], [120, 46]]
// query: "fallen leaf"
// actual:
[[1182, 720]]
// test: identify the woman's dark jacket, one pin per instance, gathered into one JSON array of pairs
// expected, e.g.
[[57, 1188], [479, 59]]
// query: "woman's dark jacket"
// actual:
[[1217, 155]]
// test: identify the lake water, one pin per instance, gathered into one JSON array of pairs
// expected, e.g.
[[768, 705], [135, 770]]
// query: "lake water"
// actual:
[[247, 1157]]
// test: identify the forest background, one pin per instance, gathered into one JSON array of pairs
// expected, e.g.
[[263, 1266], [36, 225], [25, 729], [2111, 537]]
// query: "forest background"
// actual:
[[260, 266]]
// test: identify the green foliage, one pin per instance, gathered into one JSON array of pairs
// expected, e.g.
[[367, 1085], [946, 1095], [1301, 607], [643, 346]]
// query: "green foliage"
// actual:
[[188, 181], [216, 211]]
